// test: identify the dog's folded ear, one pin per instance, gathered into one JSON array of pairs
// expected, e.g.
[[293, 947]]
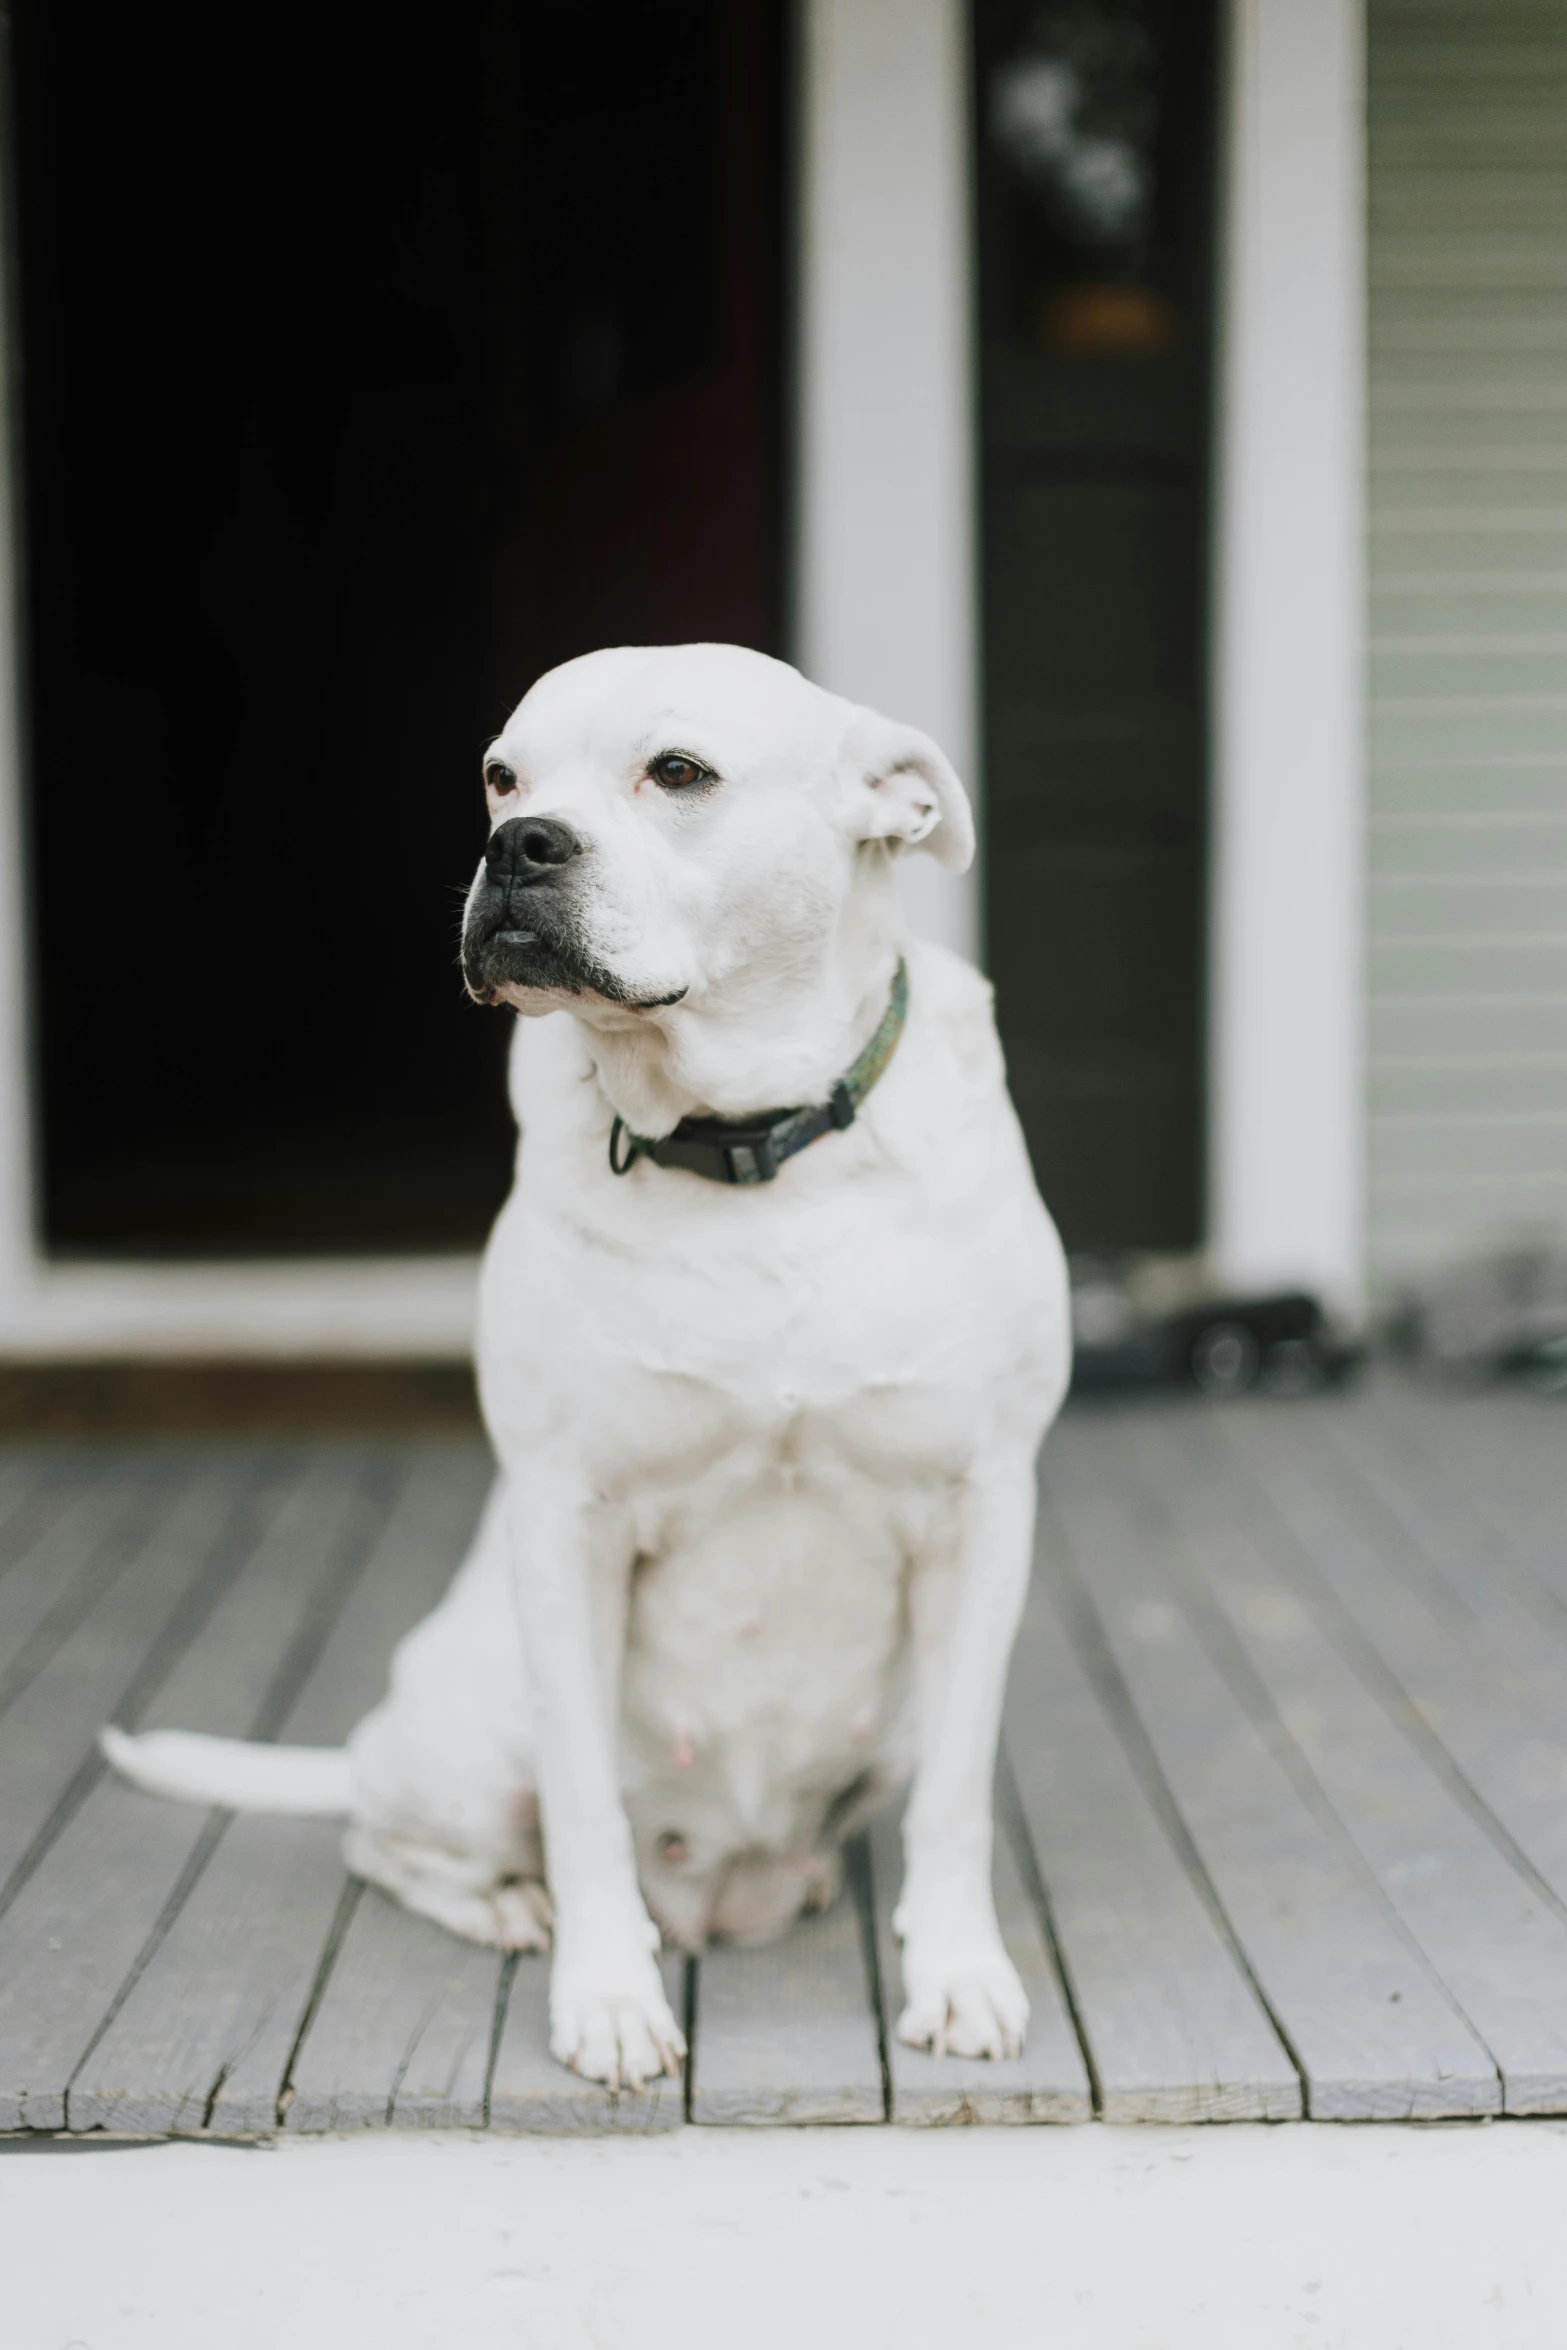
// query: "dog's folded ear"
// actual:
[[907, 791]]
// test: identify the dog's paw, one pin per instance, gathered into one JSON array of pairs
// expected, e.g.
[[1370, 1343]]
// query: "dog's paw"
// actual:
[[515, 1917], [615, 2028], [963, 2002]]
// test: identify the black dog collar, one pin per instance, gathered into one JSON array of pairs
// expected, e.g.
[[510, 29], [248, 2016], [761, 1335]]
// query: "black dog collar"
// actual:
[[751, 1150]]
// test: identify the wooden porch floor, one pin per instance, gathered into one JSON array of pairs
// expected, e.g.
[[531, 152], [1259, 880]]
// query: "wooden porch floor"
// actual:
[[1283, 1803]]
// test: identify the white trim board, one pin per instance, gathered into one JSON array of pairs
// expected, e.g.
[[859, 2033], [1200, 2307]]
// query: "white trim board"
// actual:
[[1286, 1112], [885, 586], [335, 1309]]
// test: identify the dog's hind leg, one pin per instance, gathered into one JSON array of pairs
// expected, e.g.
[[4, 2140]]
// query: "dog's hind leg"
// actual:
[[446, 1813], [458, 1890]]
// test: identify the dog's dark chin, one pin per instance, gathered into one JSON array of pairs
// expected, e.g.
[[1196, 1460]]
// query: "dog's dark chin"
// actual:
[[546, 965], [522, 958]]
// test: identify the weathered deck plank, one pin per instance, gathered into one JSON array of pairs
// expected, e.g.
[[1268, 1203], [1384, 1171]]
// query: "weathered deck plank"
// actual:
[[403, 2036], [1048, 2082], [1494, 1941], [1478, 1690], [1480, 1617], [83, 1921], [788, 2033], [1499, 1456], [1175, 2031], [1373, 2029], [204, 2038], [1401, 1466], [69, 1547], [142, 1599], [35, 1486], [1448, 1768]]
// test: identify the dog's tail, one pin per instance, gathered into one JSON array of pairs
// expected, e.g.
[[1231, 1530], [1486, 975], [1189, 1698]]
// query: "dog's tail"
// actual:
[[315, 1782]]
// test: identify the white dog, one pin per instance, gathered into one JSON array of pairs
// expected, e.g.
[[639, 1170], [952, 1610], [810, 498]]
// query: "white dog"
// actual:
[[762, 1532]]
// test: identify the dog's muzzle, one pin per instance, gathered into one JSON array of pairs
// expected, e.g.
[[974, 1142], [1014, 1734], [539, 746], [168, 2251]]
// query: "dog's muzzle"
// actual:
[[520, 930]]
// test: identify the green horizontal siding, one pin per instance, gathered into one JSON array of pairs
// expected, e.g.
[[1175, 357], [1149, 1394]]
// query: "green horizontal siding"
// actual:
[[1466, 894], [1429, 846]]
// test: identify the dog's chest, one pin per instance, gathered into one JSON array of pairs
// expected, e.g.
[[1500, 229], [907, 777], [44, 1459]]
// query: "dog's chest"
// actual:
[[769, 1604], [865, 1316]]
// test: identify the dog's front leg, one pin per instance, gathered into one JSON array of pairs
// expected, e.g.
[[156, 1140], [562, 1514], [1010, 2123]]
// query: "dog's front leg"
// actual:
[[609, 2019], [963, 1992]]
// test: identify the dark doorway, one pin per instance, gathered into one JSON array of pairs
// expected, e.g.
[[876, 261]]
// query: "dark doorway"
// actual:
[[1095, 137], [373, 363]]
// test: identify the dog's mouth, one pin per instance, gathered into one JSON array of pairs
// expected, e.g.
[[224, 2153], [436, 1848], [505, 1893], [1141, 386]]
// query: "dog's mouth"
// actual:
[[504, 953], [506, 956]]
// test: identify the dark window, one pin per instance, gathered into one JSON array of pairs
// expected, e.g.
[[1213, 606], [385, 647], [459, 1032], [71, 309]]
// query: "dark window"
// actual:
[[372, 364], [1094, 133]]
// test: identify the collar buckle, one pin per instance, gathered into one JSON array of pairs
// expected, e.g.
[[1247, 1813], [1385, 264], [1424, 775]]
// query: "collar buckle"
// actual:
[[724, 1152]]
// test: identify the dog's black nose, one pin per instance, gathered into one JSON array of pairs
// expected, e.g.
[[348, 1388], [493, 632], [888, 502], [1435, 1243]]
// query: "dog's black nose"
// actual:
[[527, 845]]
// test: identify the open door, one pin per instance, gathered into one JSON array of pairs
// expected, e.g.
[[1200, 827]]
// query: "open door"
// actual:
[[1095, 137], [372, 363]]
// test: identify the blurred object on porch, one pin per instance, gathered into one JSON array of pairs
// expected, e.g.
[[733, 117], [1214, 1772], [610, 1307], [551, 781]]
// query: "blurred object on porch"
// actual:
[[1162, 1322], [1490, 1315], [311, 1398]]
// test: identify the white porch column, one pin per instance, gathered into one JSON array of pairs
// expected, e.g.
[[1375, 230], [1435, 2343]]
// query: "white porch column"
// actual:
[[884, 559], [1286, 1152]]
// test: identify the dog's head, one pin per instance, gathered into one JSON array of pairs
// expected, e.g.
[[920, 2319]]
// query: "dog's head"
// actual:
[[679, 821]]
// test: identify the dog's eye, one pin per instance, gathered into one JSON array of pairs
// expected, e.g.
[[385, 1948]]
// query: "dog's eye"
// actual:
[[499, 778], [678, 771]]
